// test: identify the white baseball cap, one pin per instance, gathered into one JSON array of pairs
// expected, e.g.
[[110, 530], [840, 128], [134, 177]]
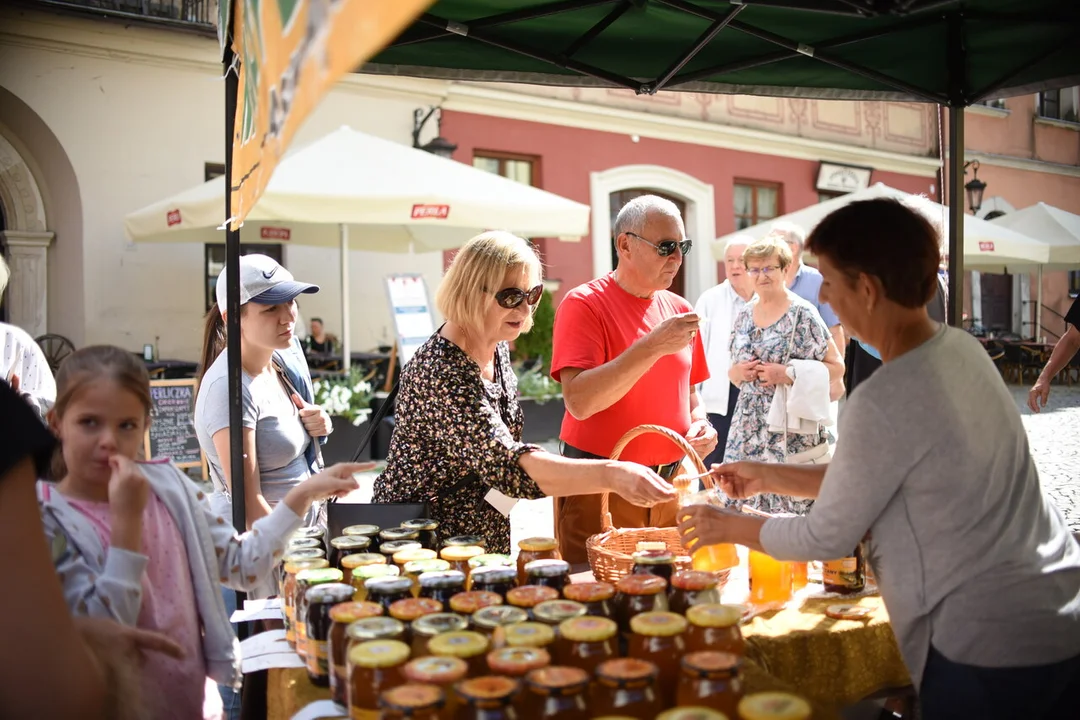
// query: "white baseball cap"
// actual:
[[264, 281]]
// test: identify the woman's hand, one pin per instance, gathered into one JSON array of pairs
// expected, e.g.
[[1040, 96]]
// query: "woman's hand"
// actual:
[[638, 484], [335, 481], [772, 374], [702, 437], [741, 480], [704, 525], [746, 371], [126, 641], [316, 421]]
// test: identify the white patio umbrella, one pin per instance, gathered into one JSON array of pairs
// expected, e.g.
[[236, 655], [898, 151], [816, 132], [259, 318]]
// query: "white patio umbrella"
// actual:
[[1055, 227], [350, 189], [988, 247]]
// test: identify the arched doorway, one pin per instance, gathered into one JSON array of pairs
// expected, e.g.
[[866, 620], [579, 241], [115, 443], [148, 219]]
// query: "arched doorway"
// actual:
[[620, 198]]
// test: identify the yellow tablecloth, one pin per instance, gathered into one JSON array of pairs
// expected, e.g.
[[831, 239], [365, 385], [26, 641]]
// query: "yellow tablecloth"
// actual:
[[833, 662]]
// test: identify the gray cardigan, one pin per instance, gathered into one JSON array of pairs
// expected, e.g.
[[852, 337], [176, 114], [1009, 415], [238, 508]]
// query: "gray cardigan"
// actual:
[[969, 552], [102, 582]]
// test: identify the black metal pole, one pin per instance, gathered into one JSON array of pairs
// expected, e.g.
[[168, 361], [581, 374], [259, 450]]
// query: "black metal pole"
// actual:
[[956, 54], [232, 315]]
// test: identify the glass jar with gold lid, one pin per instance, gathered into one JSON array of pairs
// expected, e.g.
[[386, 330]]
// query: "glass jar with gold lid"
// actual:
[[466, 645], [535, 548], [773, 706]]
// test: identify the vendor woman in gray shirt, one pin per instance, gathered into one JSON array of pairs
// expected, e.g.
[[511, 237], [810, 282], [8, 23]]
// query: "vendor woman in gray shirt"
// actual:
[[977, 568]]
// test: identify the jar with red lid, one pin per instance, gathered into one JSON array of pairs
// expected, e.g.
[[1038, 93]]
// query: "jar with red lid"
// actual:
[[443, 672], [413, 701], [626, 686], [407, 610], [497, 579], [373, 667], [492, 622], [556, 693], [472, 647], [535, 548], [516, 662], [691, 587], [486, 698], [715, 627], [527, 597], [655, 562], [529, 634], [441, 585], [595, 596], [388, 590], [341, 616], [423, 629], [586, 642], [659, 638], [468, 603], [552, 573], [637, 594], [711, 679]]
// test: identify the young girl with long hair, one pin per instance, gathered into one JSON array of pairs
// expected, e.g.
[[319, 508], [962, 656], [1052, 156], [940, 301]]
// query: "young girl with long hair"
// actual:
[[136, 541]]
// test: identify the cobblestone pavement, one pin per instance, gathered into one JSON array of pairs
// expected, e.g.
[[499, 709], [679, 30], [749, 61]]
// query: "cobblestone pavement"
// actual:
[[1054, 435]]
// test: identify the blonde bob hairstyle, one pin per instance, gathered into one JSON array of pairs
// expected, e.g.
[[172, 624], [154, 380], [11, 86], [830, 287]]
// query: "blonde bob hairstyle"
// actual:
[[478, 271], [764, 249]]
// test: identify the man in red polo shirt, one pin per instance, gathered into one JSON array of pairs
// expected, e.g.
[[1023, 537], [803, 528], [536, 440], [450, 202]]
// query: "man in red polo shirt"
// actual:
[[627, 353]]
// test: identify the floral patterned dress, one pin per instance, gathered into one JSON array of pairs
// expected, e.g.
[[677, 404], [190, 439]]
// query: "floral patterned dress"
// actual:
[[457, 436], [749, 437]]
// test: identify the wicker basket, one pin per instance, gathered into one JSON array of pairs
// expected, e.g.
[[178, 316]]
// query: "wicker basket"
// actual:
[[611, 551]]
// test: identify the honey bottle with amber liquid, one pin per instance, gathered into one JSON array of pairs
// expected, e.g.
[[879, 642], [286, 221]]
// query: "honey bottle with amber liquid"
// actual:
[[846, 575]]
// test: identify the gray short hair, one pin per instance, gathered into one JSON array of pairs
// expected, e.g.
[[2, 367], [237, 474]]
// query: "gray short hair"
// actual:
[[789, 232], [740, 239], [634, 214]]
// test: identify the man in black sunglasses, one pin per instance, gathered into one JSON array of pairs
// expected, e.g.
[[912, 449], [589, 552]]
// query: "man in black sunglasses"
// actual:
[[627, 353]]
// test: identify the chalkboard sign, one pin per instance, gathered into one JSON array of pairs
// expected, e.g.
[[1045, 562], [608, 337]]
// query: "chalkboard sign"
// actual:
[[172, 427]]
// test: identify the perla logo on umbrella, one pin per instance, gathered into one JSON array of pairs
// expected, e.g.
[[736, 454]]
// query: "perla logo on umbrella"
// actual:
[[173, 217], [986, 246], [438, 212]]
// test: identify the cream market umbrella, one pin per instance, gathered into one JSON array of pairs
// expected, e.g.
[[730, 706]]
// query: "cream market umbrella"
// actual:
[[352, 190], [988, 247], [1055, 227]]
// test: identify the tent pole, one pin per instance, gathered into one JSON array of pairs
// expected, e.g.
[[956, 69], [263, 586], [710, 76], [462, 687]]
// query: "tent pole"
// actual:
[[956, 215], [1038, 305], [346, 348], [232, 319]]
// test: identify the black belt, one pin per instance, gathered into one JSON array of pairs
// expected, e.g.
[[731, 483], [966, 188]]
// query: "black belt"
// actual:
[[665, 471]]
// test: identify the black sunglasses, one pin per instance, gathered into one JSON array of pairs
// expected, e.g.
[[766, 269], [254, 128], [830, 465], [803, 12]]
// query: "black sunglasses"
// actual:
[[510, 298], [665, 247]]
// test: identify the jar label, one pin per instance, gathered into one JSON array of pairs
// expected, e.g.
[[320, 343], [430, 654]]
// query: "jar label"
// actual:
[[841, 572]]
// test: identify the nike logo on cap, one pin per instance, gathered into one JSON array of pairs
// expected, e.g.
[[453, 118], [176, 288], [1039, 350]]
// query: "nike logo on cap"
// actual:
[[270, 274]]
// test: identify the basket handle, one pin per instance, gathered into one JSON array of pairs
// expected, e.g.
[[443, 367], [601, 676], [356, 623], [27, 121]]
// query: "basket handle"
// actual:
[[606, 522]]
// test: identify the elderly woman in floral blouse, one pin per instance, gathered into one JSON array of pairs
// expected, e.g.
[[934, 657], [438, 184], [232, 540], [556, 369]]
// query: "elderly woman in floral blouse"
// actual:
[[458, 432], [775, 327]]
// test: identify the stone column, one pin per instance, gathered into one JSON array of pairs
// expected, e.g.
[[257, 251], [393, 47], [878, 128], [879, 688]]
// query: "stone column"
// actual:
[[28, 286]]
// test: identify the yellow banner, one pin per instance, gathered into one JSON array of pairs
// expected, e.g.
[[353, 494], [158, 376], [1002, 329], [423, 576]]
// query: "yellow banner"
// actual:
[[291, 52]]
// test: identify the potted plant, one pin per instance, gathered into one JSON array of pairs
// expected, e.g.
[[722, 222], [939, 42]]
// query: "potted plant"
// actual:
[[540, 397], [347, 399]]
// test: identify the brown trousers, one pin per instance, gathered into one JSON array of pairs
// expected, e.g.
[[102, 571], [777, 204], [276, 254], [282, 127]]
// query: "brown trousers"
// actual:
[[578, 517]]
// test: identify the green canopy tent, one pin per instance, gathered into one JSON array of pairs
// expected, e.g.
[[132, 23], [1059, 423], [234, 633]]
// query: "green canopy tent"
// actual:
[[950, 52]]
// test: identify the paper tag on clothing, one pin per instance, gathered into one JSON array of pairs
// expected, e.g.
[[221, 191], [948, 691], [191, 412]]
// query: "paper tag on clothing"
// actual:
[[268, 650], [319, 709], [503, 503], [262, 609]]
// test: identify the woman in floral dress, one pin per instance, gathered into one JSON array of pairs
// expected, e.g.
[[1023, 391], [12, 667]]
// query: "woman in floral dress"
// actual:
[[773, 328]]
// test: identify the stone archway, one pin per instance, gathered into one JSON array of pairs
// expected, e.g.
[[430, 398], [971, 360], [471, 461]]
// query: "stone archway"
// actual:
[[24, 241]]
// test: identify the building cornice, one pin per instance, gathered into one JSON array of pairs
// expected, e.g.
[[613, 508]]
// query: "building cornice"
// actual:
[[1018, 163], [481, 100]]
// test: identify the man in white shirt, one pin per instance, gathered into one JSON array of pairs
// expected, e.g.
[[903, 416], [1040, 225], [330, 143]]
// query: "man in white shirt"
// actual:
[[23, 365], [717, 307]]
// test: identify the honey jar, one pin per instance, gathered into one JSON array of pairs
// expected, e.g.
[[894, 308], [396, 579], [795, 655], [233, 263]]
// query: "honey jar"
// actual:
[[342, 616], [529, 634], [350, 562], [516, 662], [550, 573], [493, 620], [360, 575], [441, 586], [527, 597], [655, 562], [412, 701], [472, 647], [373, 667], [557, 693], [468, 603], [347, 545], [710, 679], [408, 610], [462, 540], [626, 686], [388, 590], [428, 626], [659, 638], [319, 600], [305, 580], [691, 587], [443, 672], [288, 592], [773, 706], [428, 530], [595, 596], [371, 532], [459, 556], [372, 628], [586, 642], [715, 627], [535, 548], [486, 698]]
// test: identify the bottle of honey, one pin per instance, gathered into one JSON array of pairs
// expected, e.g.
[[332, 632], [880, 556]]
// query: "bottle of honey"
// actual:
[[846, 575]]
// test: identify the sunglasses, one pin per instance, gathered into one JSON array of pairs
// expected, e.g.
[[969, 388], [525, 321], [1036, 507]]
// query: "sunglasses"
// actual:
[[510, 298], [665, 247]]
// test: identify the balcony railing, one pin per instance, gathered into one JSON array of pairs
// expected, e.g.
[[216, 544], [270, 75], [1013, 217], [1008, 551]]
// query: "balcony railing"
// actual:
[[202, 13]]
